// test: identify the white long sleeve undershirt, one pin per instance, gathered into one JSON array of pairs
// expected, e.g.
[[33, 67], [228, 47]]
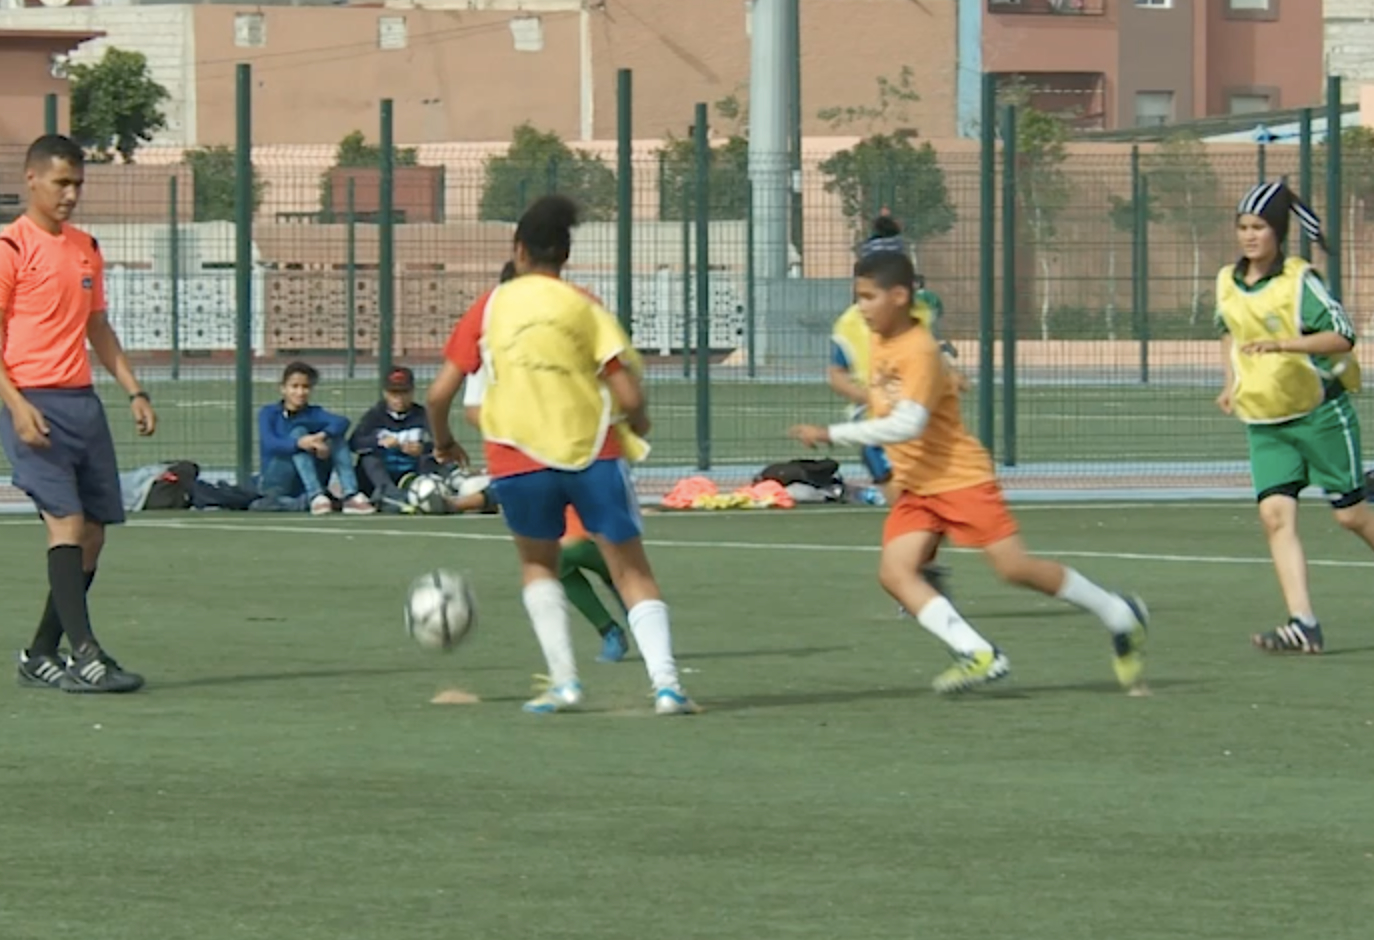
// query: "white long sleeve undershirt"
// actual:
[[906, 422]]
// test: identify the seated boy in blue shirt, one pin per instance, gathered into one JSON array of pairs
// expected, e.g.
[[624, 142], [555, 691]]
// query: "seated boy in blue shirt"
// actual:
[[300, 444], [392, 440]]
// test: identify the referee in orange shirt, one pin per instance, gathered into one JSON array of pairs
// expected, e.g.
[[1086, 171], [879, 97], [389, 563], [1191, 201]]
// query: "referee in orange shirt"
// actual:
[[53, 427]]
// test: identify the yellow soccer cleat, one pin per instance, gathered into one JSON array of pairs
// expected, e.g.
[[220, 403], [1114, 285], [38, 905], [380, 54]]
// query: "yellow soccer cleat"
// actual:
[[972, 670], [1129, 647]]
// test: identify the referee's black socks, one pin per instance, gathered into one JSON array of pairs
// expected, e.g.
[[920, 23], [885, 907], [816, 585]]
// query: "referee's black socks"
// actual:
[[67, 584], [49, 633]]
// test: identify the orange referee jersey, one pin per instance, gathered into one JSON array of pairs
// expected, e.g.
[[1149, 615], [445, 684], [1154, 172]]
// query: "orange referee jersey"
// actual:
[[49, 287]]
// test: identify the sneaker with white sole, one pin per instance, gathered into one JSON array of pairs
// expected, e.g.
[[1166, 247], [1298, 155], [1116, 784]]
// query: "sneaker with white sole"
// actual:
[[554, 698], [321, 505], [90, 670], [41, 671], [671, 701], [358, 505]]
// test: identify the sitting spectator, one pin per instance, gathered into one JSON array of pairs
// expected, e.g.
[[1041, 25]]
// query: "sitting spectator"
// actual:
[[300, 444], [392, 441]]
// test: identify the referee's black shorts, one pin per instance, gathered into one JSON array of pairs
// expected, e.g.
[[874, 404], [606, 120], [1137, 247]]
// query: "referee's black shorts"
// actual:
[[77, 474]]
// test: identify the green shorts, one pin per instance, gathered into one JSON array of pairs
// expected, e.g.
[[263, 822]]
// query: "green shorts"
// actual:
[[1319, 449]]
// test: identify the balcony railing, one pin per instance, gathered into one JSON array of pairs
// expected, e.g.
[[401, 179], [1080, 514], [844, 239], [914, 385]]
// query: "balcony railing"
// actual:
[[1049, 7]]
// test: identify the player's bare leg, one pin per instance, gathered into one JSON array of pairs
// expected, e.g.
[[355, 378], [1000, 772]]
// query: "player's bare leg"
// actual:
[[937, 576], [977, 660], [1302, 633], [633, 577], [1124, 616]]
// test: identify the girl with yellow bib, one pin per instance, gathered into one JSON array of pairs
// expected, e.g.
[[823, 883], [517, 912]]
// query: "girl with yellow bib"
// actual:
[[1286, 348]]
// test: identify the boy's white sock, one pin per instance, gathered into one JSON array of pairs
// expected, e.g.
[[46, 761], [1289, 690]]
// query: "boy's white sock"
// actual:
[[654, 636], [941, 619], [547, 606], [1114, 612]]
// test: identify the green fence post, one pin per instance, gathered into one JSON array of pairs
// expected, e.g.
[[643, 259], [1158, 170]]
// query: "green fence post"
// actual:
[[174, 283], [795, 105], [703, 273], [686, 279], [1143, 220], [243, 271], [987, 299], [1009, 286], [50, 114], [1262, 163], [1305, 175], [1334, 195], [625, 195], [351, 271], [750, 281], [386, 248]]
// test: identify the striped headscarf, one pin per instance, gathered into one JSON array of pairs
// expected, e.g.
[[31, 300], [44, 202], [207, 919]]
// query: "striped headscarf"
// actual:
[[1274, 202]]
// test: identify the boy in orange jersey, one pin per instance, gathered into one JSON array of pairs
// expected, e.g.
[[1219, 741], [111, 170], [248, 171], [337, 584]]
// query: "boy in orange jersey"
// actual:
[[53, 429], [948, 487]]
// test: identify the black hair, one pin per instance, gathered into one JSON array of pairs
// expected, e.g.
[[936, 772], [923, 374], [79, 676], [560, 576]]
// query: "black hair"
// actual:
[[312, 375], [507, 272], [546, 230], [885, 226], [887, 269], [50, 147]]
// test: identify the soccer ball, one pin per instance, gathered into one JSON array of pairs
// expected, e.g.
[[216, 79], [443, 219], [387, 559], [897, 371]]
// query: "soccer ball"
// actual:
[[440, 610], [427, 494]]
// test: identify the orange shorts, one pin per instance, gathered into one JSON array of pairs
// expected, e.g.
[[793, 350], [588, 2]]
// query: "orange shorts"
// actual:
[[975, 517]]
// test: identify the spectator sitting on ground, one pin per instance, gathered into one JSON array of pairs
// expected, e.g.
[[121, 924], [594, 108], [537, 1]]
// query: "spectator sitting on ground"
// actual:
[[392, 442], [299, 445]]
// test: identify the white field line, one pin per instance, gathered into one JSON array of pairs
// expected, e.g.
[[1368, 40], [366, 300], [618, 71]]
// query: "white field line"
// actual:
[[361, 531]]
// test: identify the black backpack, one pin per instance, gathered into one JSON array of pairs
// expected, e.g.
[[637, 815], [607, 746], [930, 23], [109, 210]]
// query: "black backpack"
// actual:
[[823, 474], [172, 490]]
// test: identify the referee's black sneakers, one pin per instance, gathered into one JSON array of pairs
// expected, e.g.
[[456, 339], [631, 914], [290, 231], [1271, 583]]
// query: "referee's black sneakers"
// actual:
[[41, 671], [90, 669]]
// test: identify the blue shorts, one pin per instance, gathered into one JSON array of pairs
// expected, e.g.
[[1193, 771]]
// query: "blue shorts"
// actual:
[[536, 504], [77, 474], [879, 467]]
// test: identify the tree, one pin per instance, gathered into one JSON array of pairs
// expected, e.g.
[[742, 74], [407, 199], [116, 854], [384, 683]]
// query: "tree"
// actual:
[[1181, 175], [1042, 189], [537, 163], [214, 177], [1121, 213], [354, 152], [886, 170], [729, 172], [116, 105]]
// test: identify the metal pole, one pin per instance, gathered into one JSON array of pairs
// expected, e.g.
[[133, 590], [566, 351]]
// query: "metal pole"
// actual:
[[1144, 217], [987, 298], [750, 284], [386, 249], [686, 278], [50, 114], [1009, 286], [769, 162], [1334, 194], [1262, 163], [1305, 175], [625, 194], [174, 259], [1139, 214], [243, 271], [794, 100], [703, 272], [351, 271]]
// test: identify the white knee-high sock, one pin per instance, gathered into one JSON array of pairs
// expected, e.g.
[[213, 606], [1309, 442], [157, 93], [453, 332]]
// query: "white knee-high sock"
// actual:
[[547, 606], [949, 626], [654, 636], [1114, 612]]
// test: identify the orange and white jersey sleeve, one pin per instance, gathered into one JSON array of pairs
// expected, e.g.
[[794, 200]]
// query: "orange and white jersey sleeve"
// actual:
[[906, 385]]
